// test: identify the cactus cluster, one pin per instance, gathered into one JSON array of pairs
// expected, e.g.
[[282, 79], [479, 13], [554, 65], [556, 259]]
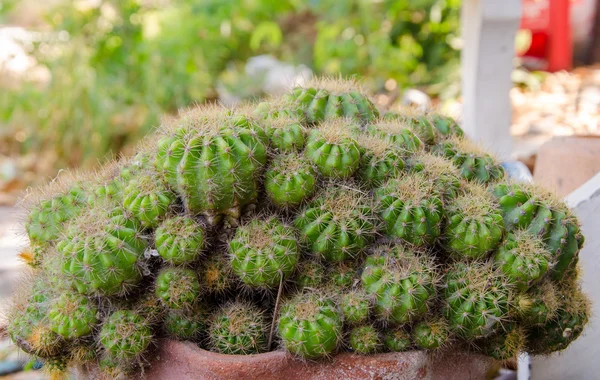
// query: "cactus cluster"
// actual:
[[307, 223]]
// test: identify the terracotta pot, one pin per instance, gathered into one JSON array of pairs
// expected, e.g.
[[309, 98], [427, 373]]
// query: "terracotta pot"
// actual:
[[184, 361]]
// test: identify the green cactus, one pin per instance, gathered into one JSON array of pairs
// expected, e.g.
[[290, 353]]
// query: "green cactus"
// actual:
[[147, 198], [440, 171], [544, 215], [398, 134], [343, 275], [215, 273], [523, 258], [476, 299], [506, 344], [475, 226], [337, 225], [565, 326], [402, 280], [213, 160], [290, 180], [185, 325], [177, 288], [72, 315], [28, 323], [326, 99], [264, 252], [474, 163], [355, 307], [48, 216], [125, 335], [102, 251], [379, 161], [277, 108], [397, 339], [430, 334], [446, 125], [364, 340], [179, 240], [286, 134], [310, 325], [310, 274], [238, 329], [537, 305], [411, 209], [333, 150]]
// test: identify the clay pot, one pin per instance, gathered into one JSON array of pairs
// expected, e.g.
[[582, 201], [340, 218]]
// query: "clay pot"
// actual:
[[185, 361]]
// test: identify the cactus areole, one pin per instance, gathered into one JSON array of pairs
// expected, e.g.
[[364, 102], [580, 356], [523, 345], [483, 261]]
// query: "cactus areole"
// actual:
[[308, 223]]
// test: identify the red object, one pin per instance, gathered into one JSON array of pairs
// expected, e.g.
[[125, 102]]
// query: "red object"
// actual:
[[549, 23]]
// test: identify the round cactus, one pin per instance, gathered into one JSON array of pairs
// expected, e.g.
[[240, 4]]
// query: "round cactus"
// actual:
[[355, 306], [337, 225], [446, 125], [430, 335], [179, 240], [102, 251], [402, 280], [185, 325], [238, 328], [398, 134], [333, 150], [474, 164], [147, 198], [476, 299], [440, 171], [506, 344], [177, 288], [48, 216], [310, 326], [475, 226], [327, 99], [566, 325], [285, 133], [290, 180], [125, 335], [72, 315], [412, 209], [213, 160], [523, 258], [544, 215], [215, 273], [343, 275], [264, 252], [276, 108], [310, 274], [397, 339], [536, 306], [364, 340], [380, 160]]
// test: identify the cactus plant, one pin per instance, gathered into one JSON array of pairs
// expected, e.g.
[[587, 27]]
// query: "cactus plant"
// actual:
[[338, 224], [333, 150], [264, 252], [474, 163], [402, 281], [430, 334], [544, 215], [290, 180], [412, 209], [238, 328], [310, 326], [364, 340], [346, 230], [178, 288], [475, 226], [213, 160], [179, 240], [324, 99]]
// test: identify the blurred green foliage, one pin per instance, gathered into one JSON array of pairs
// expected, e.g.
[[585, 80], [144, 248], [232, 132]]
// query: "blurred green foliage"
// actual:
[[117, 65]]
